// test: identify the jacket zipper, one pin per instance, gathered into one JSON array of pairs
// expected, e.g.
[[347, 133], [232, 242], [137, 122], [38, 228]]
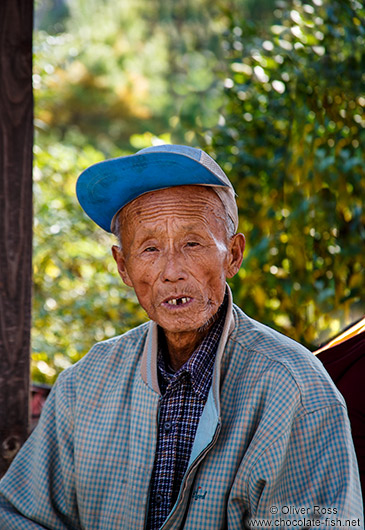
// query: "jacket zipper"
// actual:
[[195, 463]]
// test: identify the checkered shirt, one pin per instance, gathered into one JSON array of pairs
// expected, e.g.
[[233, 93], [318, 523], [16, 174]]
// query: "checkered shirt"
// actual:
[[184, 394]]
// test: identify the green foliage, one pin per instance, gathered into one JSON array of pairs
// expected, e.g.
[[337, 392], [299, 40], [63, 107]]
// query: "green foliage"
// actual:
[[123, 68], [291, 138], [106, 73], [78, 297], [112, 77]]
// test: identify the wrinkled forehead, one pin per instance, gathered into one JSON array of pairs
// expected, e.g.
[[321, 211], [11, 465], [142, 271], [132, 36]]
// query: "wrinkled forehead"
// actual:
[[198, 203]]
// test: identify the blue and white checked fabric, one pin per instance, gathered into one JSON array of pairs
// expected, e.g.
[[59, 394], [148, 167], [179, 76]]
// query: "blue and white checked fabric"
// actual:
[[184, 394], [274, 432]]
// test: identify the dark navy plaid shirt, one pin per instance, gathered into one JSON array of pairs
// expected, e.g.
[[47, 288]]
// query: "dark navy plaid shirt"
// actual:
[[184, 394]]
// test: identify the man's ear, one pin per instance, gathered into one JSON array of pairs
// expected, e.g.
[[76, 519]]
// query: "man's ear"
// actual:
[[120, 261], [236, 248]]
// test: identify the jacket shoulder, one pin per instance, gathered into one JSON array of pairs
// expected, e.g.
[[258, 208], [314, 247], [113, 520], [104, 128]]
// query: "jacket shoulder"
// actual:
[[284, 361], [255, 335], [109, 356]]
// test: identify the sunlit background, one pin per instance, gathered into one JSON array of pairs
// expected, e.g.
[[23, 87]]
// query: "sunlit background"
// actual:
[[274, 91]]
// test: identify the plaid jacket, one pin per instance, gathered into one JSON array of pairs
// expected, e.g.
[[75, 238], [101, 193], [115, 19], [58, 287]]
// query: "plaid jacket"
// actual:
[[274, 433]]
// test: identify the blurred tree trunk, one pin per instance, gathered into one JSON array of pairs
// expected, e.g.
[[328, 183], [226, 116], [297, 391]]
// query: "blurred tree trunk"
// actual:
[[16, 141]]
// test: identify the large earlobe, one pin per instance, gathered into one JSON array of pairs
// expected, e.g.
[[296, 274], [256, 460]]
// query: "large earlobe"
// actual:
[[236, 250], [120, 261]]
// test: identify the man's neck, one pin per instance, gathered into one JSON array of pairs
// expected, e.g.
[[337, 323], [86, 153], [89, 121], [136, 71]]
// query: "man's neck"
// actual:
[[181, 346]]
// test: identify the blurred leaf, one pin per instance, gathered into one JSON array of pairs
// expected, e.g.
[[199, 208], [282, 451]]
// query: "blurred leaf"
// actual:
[[291, 138]]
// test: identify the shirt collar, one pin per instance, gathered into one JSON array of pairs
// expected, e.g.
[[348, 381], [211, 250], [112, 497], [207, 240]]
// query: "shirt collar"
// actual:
[[200, 364]]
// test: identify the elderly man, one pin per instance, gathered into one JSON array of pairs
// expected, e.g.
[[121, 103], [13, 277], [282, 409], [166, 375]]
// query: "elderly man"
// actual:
[[202, 418]]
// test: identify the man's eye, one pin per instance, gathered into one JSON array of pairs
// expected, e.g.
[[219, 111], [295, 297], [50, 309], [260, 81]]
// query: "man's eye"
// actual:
[[150, 249], [192, 244]]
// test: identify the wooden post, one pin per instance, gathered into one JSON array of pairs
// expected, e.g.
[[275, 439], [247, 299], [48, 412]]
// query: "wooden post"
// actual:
[[16, 143]]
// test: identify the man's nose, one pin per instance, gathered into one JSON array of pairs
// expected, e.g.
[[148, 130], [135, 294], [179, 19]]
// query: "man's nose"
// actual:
[[174, 268]]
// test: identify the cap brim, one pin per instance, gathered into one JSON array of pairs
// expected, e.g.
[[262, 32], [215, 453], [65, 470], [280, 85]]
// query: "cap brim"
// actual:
[[104, 188]]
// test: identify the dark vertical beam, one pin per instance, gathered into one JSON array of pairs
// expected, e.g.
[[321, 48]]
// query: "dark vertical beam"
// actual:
[[16, 141]]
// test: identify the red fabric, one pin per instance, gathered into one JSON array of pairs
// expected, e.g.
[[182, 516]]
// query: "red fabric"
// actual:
[[345, 363]]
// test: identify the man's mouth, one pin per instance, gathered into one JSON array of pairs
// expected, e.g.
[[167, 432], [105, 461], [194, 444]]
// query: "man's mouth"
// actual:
[[181, 300]]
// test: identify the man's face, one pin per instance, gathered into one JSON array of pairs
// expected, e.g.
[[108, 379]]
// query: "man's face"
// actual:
[[177, 256]]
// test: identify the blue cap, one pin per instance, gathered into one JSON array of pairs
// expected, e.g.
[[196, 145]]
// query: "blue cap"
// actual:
[[106, 187]]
